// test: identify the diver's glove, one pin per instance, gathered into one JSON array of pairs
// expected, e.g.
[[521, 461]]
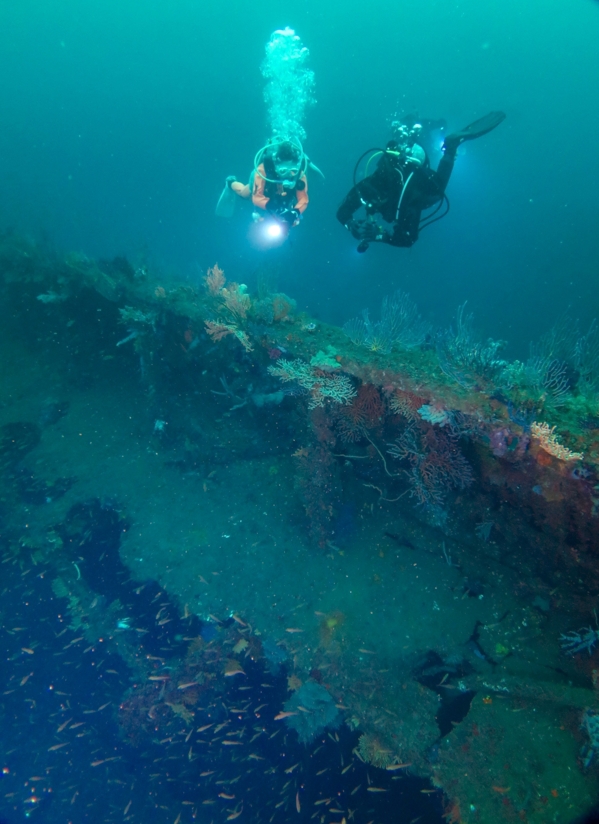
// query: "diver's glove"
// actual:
[[290, 216], [367, 230]]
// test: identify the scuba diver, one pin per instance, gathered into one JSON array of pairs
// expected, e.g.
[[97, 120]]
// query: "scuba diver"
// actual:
[[278, 185], [403, 185]]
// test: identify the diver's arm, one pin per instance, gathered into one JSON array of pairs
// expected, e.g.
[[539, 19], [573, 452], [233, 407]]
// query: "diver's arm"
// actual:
[[301, 195], [259, 199], [351, 204]]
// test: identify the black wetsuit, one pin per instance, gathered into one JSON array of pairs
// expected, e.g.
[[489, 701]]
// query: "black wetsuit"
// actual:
[[399, 192]]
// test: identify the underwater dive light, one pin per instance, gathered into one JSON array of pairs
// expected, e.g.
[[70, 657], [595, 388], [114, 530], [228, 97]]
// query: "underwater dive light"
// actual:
[[273, 230], [268, 233]]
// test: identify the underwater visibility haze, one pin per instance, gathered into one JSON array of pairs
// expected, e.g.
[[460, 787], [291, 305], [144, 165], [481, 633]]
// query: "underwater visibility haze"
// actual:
[[299, 412]]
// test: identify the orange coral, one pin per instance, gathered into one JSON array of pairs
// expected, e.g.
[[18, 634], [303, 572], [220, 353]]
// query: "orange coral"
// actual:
[[219, 330], [548, 441], [236, 300], [214, 280], [282, 307]]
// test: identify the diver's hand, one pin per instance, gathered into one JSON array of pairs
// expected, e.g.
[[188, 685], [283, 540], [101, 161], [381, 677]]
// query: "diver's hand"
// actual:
[[365, 230], [230, 179], [353, 226], [290, 216]]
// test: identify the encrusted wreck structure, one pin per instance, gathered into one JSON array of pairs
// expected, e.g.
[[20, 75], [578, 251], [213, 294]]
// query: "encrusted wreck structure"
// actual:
[[406, 519]]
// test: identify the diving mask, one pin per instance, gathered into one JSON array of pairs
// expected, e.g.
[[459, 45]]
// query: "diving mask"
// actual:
[[287, 171]]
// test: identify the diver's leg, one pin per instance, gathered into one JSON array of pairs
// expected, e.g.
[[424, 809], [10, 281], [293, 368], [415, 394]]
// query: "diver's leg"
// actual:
[[406, 228], [480, 127], [445, 169], [241, 189]]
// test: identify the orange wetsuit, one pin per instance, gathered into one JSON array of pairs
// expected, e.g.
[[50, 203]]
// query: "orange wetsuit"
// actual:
[[261, 195], [264, 190]]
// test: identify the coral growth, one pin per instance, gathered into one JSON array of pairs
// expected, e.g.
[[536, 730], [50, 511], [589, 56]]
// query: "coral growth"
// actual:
[[236, 301], [214, 280], [314, 709], [436, 463], [321, 385], [373, 751], [547, 440], [400, 325], [219, 330], [366, 412]]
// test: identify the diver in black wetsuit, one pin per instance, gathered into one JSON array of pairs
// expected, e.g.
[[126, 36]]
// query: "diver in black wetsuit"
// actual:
[[403, 185]]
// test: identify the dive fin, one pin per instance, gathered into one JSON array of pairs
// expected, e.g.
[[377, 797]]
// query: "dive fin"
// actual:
[[478, 128], [226, 202]]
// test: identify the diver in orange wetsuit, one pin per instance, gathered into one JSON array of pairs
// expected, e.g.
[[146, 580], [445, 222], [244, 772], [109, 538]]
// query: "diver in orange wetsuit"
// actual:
[[278, 185]]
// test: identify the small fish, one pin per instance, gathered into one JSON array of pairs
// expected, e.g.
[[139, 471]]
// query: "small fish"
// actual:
[[297, 802], [104, 760], [65, 724], [187, 686], [228, 797], [392, 767], [208, 772], [235, 671], [376, 790], [28, 650], [282, 715], [57, 746], [205, 727], [293, 629], [234, 815], [289, 770]]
